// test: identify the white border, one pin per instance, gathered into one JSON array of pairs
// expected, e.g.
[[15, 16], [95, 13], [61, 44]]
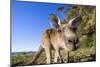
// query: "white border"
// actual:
[[83, 2], [5, 33]]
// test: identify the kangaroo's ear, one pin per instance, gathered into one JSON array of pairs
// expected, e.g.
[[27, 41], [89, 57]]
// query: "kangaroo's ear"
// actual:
[[73, 23], [54, 20]]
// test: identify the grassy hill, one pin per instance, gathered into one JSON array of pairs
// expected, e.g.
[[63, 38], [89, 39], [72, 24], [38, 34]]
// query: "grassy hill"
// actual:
[[80, 55]]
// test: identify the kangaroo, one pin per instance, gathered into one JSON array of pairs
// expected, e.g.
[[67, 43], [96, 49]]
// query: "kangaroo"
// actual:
[[62, 35]]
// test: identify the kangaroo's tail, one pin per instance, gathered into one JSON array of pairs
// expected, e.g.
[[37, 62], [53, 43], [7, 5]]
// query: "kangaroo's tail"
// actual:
[[35, 57]]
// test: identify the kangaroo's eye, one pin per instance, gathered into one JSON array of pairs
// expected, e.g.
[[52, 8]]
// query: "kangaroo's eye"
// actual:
[[70, 41], [59, 30]]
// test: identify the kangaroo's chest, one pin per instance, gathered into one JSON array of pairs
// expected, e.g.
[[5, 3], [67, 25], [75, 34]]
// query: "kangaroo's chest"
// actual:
[[57, 40]]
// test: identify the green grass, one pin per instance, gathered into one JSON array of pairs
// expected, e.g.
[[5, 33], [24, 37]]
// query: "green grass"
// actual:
[[88, 41], [80, 55]]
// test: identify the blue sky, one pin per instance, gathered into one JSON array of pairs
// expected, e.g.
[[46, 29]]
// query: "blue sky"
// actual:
[[29, 20]]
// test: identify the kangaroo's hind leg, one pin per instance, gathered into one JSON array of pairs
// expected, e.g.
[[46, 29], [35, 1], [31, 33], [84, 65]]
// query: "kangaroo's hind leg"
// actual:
[[47, 49]]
